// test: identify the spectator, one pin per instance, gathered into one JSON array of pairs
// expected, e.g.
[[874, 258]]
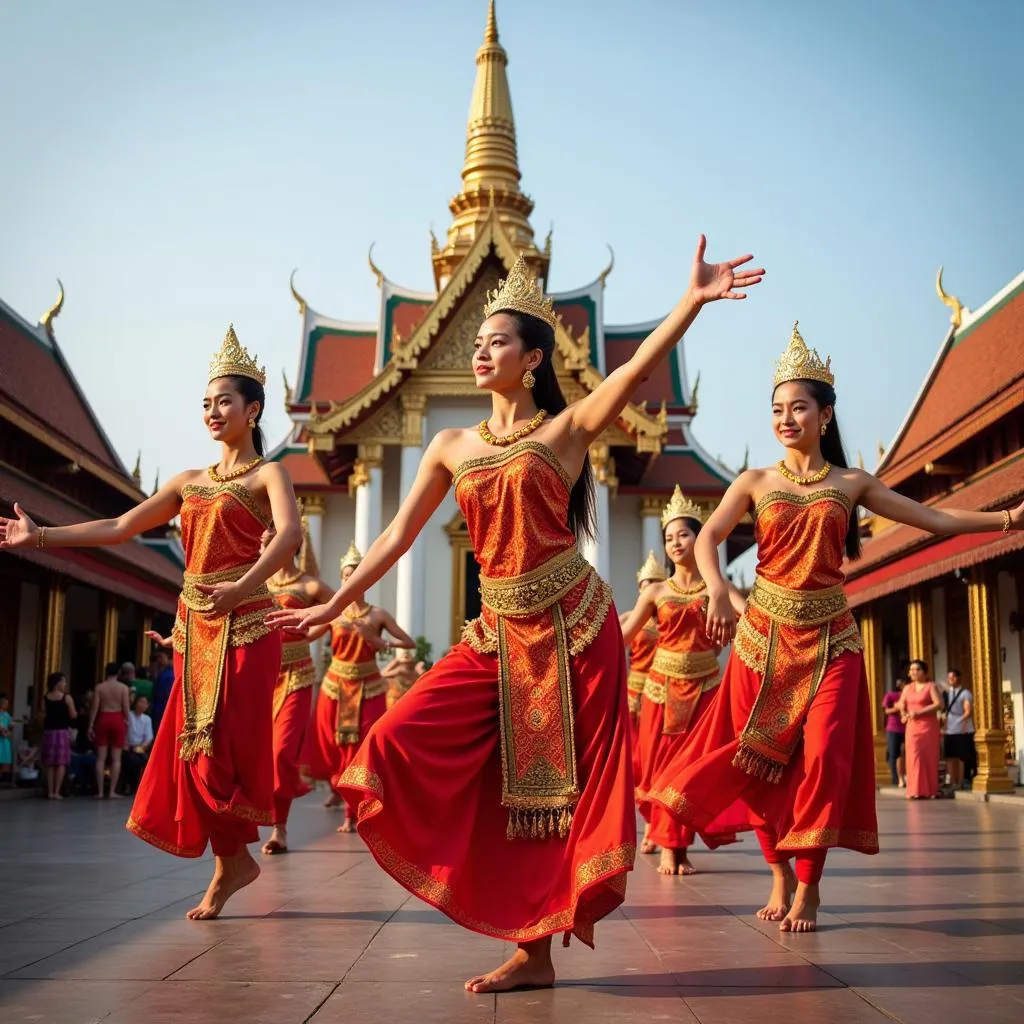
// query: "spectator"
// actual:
[[6, 745], [108, 725], [894, 734], [140, 740], [83, 751], [143, 683], [958, 746], [163, 681], [29, 748], [59, 715], [919, 704]]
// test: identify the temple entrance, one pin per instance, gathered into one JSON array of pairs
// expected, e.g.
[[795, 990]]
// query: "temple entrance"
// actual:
[[465, 576]]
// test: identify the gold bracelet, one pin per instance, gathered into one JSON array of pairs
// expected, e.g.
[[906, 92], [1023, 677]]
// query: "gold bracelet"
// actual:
[[41, 539], [1007, 521]]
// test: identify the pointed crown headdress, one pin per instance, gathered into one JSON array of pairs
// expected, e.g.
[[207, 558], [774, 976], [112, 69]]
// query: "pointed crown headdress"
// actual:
[[681, 508], [799, 362], [651, 570], [520, 291], [233, 361], [352, 557], [307, 556]]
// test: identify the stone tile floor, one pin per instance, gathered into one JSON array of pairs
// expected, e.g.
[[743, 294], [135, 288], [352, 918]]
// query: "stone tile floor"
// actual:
[[92, 929]]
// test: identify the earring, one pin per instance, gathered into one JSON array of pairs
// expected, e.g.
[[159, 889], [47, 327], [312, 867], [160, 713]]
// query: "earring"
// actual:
[[529, 380], [252, 425], [824, 427]]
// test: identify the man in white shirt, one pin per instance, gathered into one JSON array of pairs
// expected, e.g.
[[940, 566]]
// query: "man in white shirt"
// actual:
[[138, 742], [958, 745]]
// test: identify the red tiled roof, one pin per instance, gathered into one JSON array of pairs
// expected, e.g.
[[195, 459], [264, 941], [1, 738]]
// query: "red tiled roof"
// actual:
[[980, 379], [35, 380], [684, 468], [575, 317], [343, 364], [407, 316], [304, 470], [660, 386]]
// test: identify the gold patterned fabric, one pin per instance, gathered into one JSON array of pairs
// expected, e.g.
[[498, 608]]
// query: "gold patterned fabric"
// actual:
[[351, 678]]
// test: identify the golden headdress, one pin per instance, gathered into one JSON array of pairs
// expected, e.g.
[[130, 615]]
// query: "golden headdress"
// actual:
[[233, 361], [799, 362], [681, 508], [307, 556], [651, 570], [520, 291], [352, 557]]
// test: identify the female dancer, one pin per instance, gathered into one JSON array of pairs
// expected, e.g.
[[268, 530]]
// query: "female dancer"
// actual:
[[401, 672], [211, 778], [641, 654], [919, 705], [790, 733], [510, 758], [683, 676], [352, 694], [297, 585]]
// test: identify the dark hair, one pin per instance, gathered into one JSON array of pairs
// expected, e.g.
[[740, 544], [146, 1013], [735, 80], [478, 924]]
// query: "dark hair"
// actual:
[[953, 672], [535, 333], [3, 696], [53, 680], [113, 669], [922, 665], [137, 698], [833, 451], [252, 391]]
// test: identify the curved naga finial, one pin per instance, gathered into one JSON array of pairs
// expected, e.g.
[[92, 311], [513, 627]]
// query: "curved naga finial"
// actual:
[[377, 272], [303, 305], [54, 311], [603, 276], [957, 307]]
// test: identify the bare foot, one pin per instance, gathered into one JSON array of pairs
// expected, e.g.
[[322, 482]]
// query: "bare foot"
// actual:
[[117, 796], [230, 875], [683, 865], [804, 915], [348, 825], [667, 863], [647, 846], [783, 886], [278, 841], [521, 970], [333, 800]]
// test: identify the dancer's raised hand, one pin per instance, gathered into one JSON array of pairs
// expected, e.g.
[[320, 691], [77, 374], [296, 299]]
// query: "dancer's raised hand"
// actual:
[[299, 619], [19, 532], [158, 639], [712, 281]]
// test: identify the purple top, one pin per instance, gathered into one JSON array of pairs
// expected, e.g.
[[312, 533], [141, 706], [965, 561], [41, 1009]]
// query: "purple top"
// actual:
[[892, 722]]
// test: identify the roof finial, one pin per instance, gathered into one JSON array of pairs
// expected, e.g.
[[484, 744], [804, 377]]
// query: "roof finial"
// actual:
[[287, 390], [491, 32], [694, 395], [957, 307], [156, 481], [137, 471], [603, 276], [303, 305], [54, 311], [377, 273]]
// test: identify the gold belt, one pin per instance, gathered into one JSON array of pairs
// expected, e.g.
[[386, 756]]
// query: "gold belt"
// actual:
[[536, 590], [636, 681], [294, 653], [684, 664], [352, 671], [199, 602], [799, 608]]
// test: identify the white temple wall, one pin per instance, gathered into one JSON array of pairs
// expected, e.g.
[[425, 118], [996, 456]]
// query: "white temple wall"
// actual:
[[339, 527], [387, 588], [625, 544]]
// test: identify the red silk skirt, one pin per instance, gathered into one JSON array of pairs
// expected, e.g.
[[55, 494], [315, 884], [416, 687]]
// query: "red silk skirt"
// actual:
[[321, 758], [369, 712], [183, 805], [827, 794], [429, 776], [290, 727]]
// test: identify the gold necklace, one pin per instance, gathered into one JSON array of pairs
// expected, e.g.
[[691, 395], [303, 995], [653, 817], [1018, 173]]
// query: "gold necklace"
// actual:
[[804, 481], [694, 588], [349, 617], [516, 435], [232, 474], [281, 584]]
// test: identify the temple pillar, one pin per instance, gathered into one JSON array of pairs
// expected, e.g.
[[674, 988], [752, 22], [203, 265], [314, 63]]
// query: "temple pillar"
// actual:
[[411, 580], [919, 628], [144, 648], [651, 507], [874, 666], [106, 651], [987, 678], [51, 648], [314, 507], [366, 484], [597, 550]]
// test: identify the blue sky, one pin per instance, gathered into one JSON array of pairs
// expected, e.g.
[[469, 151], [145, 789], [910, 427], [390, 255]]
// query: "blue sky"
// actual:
[[172, 162]]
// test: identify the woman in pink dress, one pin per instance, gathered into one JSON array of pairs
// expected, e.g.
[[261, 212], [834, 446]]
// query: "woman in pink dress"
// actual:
[[919, 706]]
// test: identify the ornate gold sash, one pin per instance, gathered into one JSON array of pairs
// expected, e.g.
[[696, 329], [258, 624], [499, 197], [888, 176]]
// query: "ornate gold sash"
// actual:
[[677, 680], [350, 683], [540, 785], [297, 672], [790, 654]]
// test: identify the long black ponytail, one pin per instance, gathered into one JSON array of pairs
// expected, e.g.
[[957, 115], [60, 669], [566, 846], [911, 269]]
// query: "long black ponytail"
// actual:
[[547, 393], [833, 451], [252, 391]]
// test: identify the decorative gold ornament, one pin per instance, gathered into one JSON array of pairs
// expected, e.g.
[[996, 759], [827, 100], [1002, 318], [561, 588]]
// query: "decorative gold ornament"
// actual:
[[233, 474], [690, 591], [804, 481], [520, 292], [358, 614], [824, 429], [529, 381], [352, 557], [799, 362], [234, 361], [956, 316], [252, 424], [1007, 520], [651, 570], [681, 508], [516, 435]]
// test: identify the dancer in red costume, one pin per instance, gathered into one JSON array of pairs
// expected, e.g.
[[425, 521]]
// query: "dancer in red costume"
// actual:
[[499, 789], [641, 654], [352, 693], [210, 778], [683, 676], [400, 673], [295, 586], [789, 735]]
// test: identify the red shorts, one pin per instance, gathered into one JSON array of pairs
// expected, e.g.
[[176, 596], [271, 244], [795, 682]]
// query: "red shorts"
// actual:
[[111, 730]]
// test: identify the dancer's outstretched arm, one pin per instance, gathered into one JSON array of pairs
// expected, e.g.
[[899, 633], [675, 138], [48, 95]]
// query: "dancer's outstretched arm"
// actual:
[[645, 607]]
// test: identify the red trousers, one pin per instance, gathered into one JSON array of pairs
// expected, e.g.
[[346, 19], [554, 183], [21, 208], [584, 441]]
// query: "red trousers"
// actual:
[[183, 805], [290, 727], [320, 756], [429, 778]]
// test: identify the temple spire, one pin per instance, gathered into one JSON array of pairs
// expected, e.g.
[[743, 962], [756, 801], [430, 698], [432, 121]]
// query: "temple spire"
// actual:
[[490, 169]]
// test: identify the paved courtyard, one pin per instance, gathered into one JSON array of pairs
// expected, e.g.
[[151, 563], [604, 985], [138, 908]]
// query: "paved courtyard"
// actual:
[[92, 928]]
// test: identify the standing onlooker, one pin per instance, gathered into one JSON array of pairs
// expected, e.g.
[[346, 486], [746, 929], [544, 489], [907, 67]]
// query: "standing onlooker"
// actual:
[[108, 726], [139, 739], [142, 683], [82, 772], [163, 683], [894, 734], [6, 746], [920, 703], [959, 743], [60, 713]]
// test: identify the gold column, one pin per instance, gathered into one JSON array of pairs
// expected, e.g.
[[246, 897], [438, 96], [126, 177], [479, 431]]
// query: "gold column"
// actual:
[[108, 644], [413, 409], [604, 466], [987, 678], [145, 646], [51, 649], [874, 664], [919, 627]]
